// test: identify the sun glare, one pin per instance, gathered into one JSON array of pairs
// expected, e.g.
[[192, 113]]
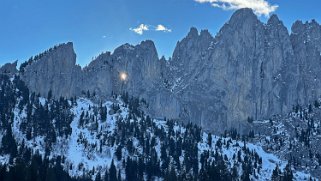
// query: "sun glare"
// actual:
[[123, 76]]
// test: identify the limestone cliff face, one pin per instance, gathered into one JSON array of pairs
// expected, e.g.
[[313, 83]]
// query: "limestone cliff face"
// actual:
[[249, 69], [145, 77], [54, 70], [306, 43], [237, 75], [140, 63]]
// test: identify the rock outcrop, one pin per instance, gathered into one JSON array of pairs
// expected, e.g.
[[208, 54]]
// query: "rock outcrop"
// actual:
[[245, 72], [249, 70], [306, 43], [54, 70], [9, 69], [140, 63]]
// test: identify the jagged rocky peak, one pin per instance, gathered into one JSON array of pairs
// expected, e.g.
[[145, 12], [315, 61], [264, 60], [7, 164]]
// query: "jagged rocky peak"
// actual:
[[163, 63], [63, 49], [192, 46], [139, 62], [274, 20], [63, 53], [103, 55], [163, 59], [277, 32], [9, 68], [297, 27], [60, 57], [195, 35], [124, 48], [314, 24], [300, 27], [125, 53], [147, 44], [243, 27], [276, 26], [306, 43], [243, 16], [100, 60], [148, 48], [194, 38], [205, 34], [193, 32], [66, 47], [145, 48], [306, 33], [55, 70]]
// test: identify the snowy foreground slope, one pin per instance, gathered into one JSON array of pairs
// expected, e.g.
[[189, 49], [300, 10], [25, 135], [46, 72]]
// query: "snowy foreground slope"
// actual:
[[90, 139], [87, 150]]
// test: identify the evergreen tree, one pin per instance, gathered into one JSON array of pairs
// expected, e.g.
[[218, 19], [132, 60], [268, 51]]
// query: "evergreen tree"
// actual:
[[106, 176], [288, 174], [276, 174], [49, 96], [209, 139], [112, 171], [118, 152], [316, 104], [8, 144], [98, 177]]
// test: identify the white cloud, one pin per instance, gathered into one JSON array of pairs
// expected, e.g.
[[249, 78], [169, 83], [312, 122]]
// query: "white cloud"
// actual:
[[162, 28], [140, 29], [143, 27], [260, 7]]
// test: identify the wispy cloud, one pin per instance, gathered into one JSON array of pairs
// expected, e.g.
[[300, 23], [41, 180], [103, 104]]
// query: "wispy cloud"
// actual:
[[105, 36], [162, 28], [140, 29], [260, 7]]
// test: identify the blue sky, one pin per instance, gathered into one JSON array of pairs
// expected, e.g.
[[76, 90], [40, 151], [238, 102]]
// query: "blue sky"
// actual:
[[28, 27]]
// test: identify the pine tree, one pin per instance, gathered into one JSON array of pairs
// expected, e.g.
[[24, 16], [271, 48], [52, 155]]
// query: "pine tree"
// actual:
[[8, 143], [118, 152], [106, 176], [276, 174], [98, 177], [316, 104], [49, 96], [288, 174], [209, 139], [112, 171], [119, 175], [88, 94]]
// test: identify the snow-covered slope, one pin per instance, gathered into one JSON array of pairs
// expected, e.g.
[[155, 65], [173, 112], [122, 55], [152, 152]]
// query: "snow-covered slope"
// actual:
[[90, 137], [84, 149]]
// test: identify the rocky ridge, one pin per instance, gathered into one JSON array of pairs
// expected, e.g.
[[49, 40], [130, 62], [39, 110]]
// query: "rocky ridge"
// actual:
[[249, 70]]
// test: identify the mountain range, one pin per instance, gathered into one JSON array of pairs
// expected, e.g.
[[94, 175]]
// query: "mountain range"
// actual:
[[241, 105], [249, 70]]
